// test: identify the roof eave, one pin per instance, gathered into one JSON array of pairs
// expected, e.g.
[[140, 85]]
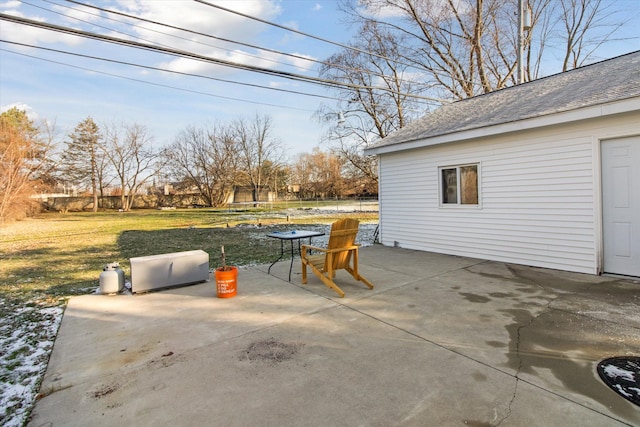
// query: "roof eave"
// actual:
[[591, 112]]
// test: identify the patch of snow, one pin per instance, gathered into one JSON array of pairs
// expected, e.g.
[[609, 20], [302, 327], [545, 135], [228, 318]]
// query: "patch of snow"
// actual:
[[622, 391], [26, 340], [615, 372]]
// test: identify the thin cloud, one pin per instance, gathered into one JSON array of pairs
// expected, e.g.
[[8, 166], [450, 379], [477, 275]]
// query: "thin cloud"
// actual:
[[9, 5], [78, 13], [31, 114], [199, 18], [29, 35], [203, 19]]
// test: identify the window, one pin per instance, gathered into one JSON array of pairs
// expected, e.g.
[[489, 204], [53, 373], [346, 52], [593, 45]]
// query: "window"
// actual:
[[459, 185]]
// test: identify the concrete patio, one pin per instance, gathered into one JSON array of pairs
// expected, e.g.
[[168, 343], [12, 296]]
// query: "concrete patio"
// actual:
[[440, 341]]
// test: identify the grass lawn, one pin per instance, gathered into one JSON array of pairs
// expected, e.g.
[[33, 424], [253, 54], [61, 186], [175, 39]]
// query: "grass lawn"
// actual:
[[47, 259], [58, 255]]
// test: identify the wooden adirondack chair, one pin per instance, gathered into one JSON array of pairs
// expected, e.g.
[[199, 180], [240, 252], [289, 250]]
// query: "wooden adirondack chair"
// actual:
[[338, 255]]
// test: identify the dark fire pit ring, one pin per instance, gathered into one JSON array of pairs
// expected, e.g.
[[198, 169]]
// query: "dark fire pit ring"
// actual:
[[622, 375]]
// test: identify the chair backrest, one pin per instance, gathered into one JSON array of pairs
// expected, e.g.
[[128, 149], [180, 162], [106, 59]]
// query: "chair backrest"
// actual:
[[343, 234]]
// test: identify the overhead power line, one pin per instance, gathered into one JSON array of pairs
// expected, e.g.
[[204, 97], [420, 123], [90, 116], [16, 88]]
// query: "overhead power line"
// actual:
[[173, 27], [153, 83], [344, 46], [291, 55], [198, 57], [162, 49], [293, 30], [147, 82], [148, 67]]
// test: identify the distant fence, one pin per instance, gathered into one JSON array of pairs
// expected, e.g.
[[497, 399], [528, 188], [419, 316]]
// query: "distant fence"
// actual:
[[351, 204], [61, 204], [245, 205], [75, 204]]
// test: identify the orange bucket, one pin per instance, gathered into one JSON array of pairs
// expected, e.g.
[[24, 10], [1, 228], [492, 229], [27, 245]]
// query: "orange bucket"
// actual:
[[227, 282]]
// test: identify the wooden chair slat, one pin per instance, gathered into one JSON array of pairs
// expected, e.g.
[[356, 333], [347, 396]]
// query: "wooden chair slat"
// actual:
[[341, 253]]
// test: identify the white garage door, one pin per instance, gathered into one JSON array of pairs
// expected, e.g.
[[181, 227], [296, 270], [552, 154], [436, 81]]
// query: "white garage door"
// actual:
[[621, 205]]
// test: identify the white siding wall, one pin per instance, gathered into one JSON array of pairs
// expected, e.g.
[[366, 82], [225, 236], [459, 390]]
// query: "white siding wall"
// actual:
[[538, 197]]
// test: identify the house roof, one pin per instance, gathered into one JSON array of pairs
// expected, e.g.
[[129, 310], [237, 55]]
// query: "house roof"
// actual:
[[515, 108]]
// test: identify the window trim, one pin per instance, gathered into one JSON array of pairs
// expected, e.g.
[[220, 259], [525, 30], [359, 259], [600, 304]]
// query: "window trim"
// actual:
[[459, 204]]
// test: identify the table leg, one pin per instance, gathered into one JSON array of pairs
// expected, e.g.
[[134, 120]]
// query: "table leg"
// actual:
[[291, 265], [292, 254], [279, 258]]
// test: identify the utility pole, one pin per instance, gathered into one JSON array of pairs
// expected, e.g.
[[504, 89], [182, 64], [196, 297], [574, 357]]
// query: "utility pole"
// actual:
[[520, 74], [524, 23]]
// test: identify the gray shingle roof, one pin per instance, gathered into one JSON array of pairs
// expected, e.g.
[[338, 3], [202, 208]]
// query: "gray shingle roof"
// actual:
[[608, 81]]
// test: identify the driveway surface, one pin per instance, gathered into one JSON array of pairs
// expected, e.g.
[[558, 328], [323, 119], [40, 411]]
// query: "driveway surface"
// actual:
[[440, 341]]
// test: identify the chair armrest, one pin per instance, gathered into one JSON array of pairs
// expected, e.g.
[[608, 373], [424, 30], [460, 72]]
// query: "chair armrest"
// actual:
[[346, 248], [313, 248]]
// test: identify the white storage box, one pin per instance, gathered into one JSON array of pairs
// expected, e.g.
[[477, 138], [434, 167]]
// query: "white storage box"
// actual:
[[166, 270]]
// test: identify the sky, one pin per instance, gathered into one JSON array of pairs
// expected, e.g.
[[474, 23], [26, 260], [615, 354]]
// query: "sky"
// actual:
[[66, 89]]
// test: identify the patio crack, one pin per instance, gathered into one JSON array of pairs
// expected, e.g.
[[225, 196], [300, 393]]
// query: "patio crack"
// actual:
[[517, 374], [518, 342]]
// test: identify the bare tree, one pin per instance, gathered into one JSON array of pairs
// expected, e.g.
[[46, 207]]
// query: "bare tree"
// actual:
[[381, 86], [407, 51], [467, 47], [578, 19], [276, 175], [24, 150], [206, 159], [349, 143], [320, 174], [128, 149], [256, 147], [82, 149], [380, 97], [460, 46]]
